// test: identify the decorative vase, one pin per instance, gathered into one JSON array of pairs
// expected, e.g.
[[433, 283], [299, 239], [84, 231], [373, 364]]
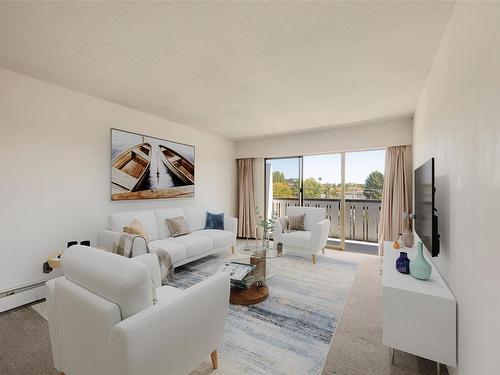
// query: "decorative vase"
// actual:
[[279, 249], [419, 267], [403, 263], [408, 238]]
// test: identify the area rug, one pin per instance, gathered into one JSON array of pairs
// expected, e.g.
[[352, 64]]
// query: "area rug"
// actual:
[[291, 331]]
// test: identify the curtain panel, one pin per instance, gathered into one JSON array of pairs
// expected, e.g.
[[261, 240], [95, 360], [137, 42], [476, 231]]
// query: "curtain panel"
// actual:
[[246, 199], [397, 194]]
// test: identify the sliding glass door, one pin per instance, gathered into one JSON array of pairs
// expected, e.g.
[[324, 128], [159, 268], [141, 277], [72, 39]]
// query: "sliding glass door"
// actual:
[[322, 182], [283, 184], [347, 184], [364, 184]]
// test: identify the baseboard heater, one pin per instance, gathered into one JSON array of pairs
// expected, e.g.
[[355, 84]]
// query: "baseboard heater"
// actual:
[[21, 296]]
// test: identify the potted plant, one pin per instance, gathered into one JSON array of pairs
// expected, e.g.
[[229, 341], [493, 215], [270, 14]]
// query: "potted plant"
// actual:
[[266, 224]]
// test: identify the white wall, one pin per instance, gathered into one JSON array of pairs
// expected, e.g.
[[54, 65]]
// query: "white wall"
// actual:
[[363, 136], [458, 122], [55, 170]]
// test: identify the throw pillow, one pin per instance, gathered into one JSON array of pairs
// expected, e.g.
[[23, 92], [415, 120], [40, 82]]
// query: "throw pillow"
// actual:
[[284, 223], [135, 227], [214, 221], [296, 222], [177, 226]]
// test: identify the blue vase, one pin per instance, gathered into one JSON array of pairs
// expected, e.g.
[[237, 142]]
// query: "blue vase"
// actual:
[[403, 263], [419, 267]]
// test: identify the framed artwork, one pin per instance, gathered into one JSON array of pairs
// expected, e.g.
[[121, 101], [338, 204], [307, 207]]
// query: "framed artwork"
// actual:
[[144, 167]]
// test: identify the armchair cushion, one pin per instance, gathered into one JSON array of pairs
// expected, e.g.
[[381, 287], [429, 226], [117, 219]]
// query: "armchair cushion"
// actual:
[[165, 293], [189, 324], [300, 239], [313, 214], [113, 277]]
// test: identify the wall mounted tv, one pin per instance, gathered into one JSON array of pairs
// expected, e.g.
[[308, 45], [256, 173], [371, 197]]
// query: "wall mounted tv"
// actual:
[[426, 220]]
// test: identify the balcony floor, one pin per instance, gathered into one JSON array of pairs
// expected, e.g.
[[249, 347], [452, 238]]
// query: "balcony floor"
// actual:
[[369, 248]]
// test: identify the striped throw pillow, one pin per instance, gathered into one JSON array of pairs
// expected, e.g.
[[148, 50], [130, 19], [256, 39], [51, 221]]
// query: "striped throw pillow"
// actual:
[[296, 222]]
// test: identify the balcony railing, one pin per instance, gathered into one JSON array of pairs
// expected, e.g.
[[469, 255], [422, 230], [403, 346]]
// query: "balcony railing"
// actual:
[[360, 221]]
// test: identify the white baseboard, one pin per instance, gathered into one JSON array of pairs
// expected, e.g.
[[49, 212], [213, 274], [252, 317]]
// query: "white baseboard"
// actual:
[[22, 298]]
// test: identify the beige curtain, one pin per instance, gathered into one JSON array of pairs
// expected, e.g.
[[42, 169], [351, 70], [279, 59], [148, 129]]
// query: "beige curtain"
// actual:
[[397, 194], [246, 200]]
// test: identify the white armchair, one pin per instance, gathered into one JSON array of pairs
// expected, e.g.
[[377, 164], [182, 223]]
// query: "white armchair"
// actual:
[[310, 241], [102, 319]]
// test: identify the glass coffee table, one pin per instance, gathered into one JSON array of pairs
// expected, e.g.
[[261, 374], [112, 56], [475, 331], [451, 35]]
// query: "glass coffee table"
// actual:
[[258, 256]]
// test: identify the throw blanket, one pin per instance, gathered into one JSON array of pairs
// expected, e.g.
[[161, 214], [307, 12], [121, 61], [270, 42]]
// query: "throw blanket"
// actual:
[[125, 247]]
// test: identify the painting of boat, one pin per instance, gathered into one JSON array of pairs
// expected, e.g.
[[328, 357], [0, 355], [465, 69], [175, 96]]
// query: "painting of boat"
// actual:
[[130, 168], [145, 167], [179, 165]]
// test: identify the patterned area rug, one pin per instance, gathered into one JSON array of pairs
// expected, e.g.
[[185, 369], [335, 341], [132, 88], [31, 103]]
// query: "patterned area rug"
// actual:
[[291, 331]]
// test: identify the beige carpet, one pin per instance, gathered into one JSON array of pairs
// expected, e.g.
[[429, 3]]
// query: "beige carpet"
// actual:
[[357, 344], [25, 344]]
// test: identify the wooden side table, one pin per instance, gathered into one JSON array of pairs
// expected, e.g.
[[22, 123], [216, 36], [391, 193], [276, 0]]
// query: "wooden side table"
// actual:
[[258, 292]]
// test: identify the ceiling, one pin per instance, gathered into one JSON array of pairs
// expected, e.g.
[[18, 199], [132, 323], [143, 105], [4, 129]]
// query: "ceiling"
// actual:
[[232, 68]]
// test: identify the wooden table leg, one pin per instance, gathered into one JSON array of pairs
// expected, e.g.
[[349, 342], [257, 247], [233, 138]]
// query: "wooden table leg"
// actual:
[[213, 355]]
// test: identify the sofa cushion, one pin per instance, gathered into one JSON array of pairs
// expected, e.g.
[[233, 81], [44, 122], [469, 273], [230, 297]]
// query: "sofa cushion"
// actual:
[[195, 217], [300, 239], [146, 218], [195, 243], [166, 213], [220, 238], [177, 251]]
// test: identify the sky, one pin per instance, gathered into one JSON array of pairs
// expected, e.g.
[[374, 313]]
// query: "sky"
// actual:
[[358, 166]]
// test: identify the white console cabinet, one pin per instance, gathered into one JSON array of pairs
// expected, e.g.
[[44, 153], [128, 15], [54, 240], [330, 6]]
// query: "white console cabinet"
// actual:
[[419, 316]]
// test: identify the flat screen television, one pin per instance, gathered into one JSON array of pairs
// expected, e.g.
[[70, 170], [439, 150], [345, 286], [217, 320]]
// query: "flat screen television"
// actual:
[[426, 220]]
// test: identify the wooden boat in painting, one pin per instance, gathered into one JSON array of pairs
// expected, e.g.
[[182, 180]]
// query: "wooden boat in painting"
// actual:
[[177, 164], [130, 168]]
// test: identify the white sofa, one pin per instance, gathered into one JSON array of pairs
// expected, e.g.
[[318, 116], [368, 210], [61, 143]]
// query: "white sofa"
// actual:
[[183, 249], [310, 241], [102, 319]]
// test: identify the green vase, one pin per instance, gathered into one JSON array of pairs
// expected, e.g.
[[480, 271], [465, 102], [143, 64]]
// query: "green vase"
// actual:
[[419, 267]]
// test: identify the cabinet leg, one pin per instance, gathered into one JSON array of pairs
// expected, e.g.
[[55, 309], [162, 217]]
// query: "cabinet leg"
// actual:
[[314, 259], [232, 249], [438, 368], [392, 355]]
